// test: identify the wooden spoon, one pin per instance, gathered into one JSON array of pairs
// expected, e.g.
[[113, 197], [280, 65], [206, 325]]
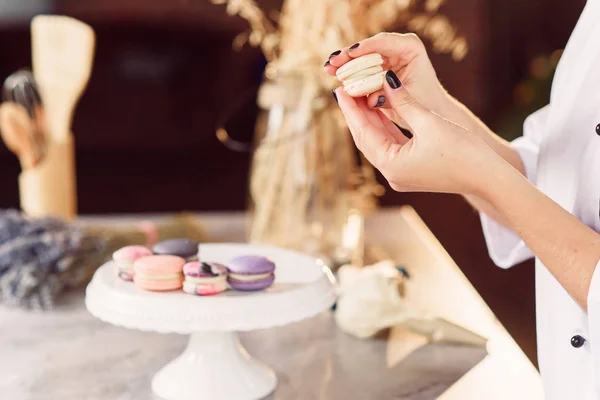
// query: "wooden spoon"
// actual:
[[62, 56]]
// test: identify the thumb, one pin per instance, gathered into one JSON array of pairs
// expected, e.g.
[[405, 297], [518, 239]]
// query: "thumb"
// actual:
[[405, 106]]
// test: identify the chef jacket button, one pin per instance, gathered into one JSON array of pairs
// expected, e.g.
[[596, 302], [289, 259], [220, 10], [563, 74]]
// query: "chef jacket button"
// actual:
[[598, 129], [577, 341]]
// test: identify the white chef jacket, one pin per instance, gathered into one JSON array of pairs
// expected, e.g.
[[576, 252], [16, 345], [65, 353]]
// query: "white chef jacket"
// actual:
[[560, 150]]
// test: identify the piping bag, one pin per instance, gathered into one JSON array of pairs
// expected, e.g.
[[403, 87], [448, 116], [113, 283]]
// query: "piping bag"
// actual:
[[370, 300]]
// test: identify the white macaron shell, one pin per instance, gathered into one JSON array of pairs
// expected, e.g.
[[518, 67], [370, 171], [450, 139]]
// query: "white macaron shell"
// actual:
[[365, 86], [358, 64], [365, 73]]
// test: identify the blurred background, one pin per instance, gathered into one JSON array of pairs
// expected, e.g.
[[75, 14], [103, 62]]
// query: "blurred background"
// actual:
[[165, 73]]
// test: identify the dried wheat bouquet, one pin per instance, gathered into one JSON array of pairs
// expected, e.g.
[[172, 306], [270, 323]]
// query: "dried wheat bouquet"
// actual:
[[305, 168]]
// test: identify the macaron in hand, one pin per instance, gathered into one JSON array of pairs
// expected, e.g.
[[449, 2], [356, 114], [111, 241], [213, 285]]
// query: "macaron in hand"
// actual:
[[125, 257], [184, 248], [250, 273], [204, 279], [362, 75], [159, 272]]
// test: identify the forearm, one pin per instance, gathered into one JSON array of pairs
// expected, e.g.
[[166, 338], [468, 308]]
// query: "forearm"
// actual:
[[453, 110], [486, 208], [567, 247]]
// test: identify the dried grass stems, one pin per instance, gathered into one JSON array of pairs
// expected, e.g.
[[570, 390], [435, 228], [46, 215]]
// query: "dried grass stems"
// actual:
[[302, 189]]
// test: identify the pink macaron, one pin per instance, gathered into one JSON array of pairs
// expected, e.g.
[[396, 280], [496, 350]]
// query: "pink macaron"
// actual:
[[125, 257], [159, 273]]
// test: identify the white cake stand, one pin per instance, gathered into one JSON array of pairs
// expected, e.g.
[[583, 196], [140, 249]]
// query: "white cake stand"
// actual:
[[214, 365]]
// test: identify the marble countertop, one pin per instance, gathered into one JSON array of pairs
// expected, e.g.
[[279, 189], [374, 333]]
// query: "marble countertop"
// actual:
[[67, 354]]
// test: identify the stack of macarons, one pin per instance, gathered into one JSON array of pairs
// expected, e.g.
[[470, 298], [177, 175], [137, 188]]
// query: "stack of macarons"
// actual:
[[174, 264], [362, 75]]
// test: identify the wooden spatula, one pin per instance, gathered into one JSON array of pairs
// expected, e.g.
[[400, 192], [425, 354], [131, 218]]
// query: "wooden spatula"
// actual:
[[15, 126], [62, 57]]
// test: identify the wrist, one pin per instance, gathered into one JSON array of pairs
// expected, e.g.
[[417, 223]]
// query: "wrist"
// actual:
[[497, 179], [443, 104], [453, 110]]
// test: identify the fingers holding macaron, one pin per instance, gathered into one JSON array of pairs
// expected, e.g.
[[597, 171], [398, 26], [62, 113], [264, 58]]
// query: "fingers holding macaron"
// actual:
[[367, 59], [397, 49], [367, 127], [339, 58], [332, 63], [362, 76], [377, 100]]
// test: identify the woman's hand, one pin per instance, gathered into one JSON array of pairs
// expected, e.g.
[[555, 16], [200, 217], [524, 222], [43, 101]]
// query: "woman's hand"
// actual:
[[404, 54], [441, 156]]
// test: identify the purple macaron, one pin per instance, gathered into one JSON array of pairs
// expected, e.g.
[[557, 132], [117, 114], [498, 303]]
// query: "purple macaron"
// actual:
[[250, 273]]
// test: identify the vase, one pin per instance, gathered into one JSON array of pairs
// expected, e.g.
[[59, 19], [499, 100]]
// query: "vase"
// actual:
[[307, 182]]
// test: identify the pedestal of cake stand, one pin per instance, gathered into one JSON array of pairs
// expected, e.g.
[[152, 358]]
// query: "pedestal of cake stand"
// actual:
[[215, 366]]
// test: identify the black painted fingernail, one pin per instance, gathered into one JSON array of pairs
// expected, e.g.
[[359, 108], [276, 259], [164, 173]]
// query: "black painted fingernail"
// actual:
[[334, 95], [380, 101], [405, 132], [335, 53], [355, 45], [393, 80], [326, 63], [403, 271]]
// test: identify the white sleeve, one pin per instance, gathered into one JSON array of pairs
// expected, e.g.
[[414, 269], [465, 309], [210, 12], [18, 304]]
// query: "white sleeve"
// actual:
[[504, 246], [593, 307]]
